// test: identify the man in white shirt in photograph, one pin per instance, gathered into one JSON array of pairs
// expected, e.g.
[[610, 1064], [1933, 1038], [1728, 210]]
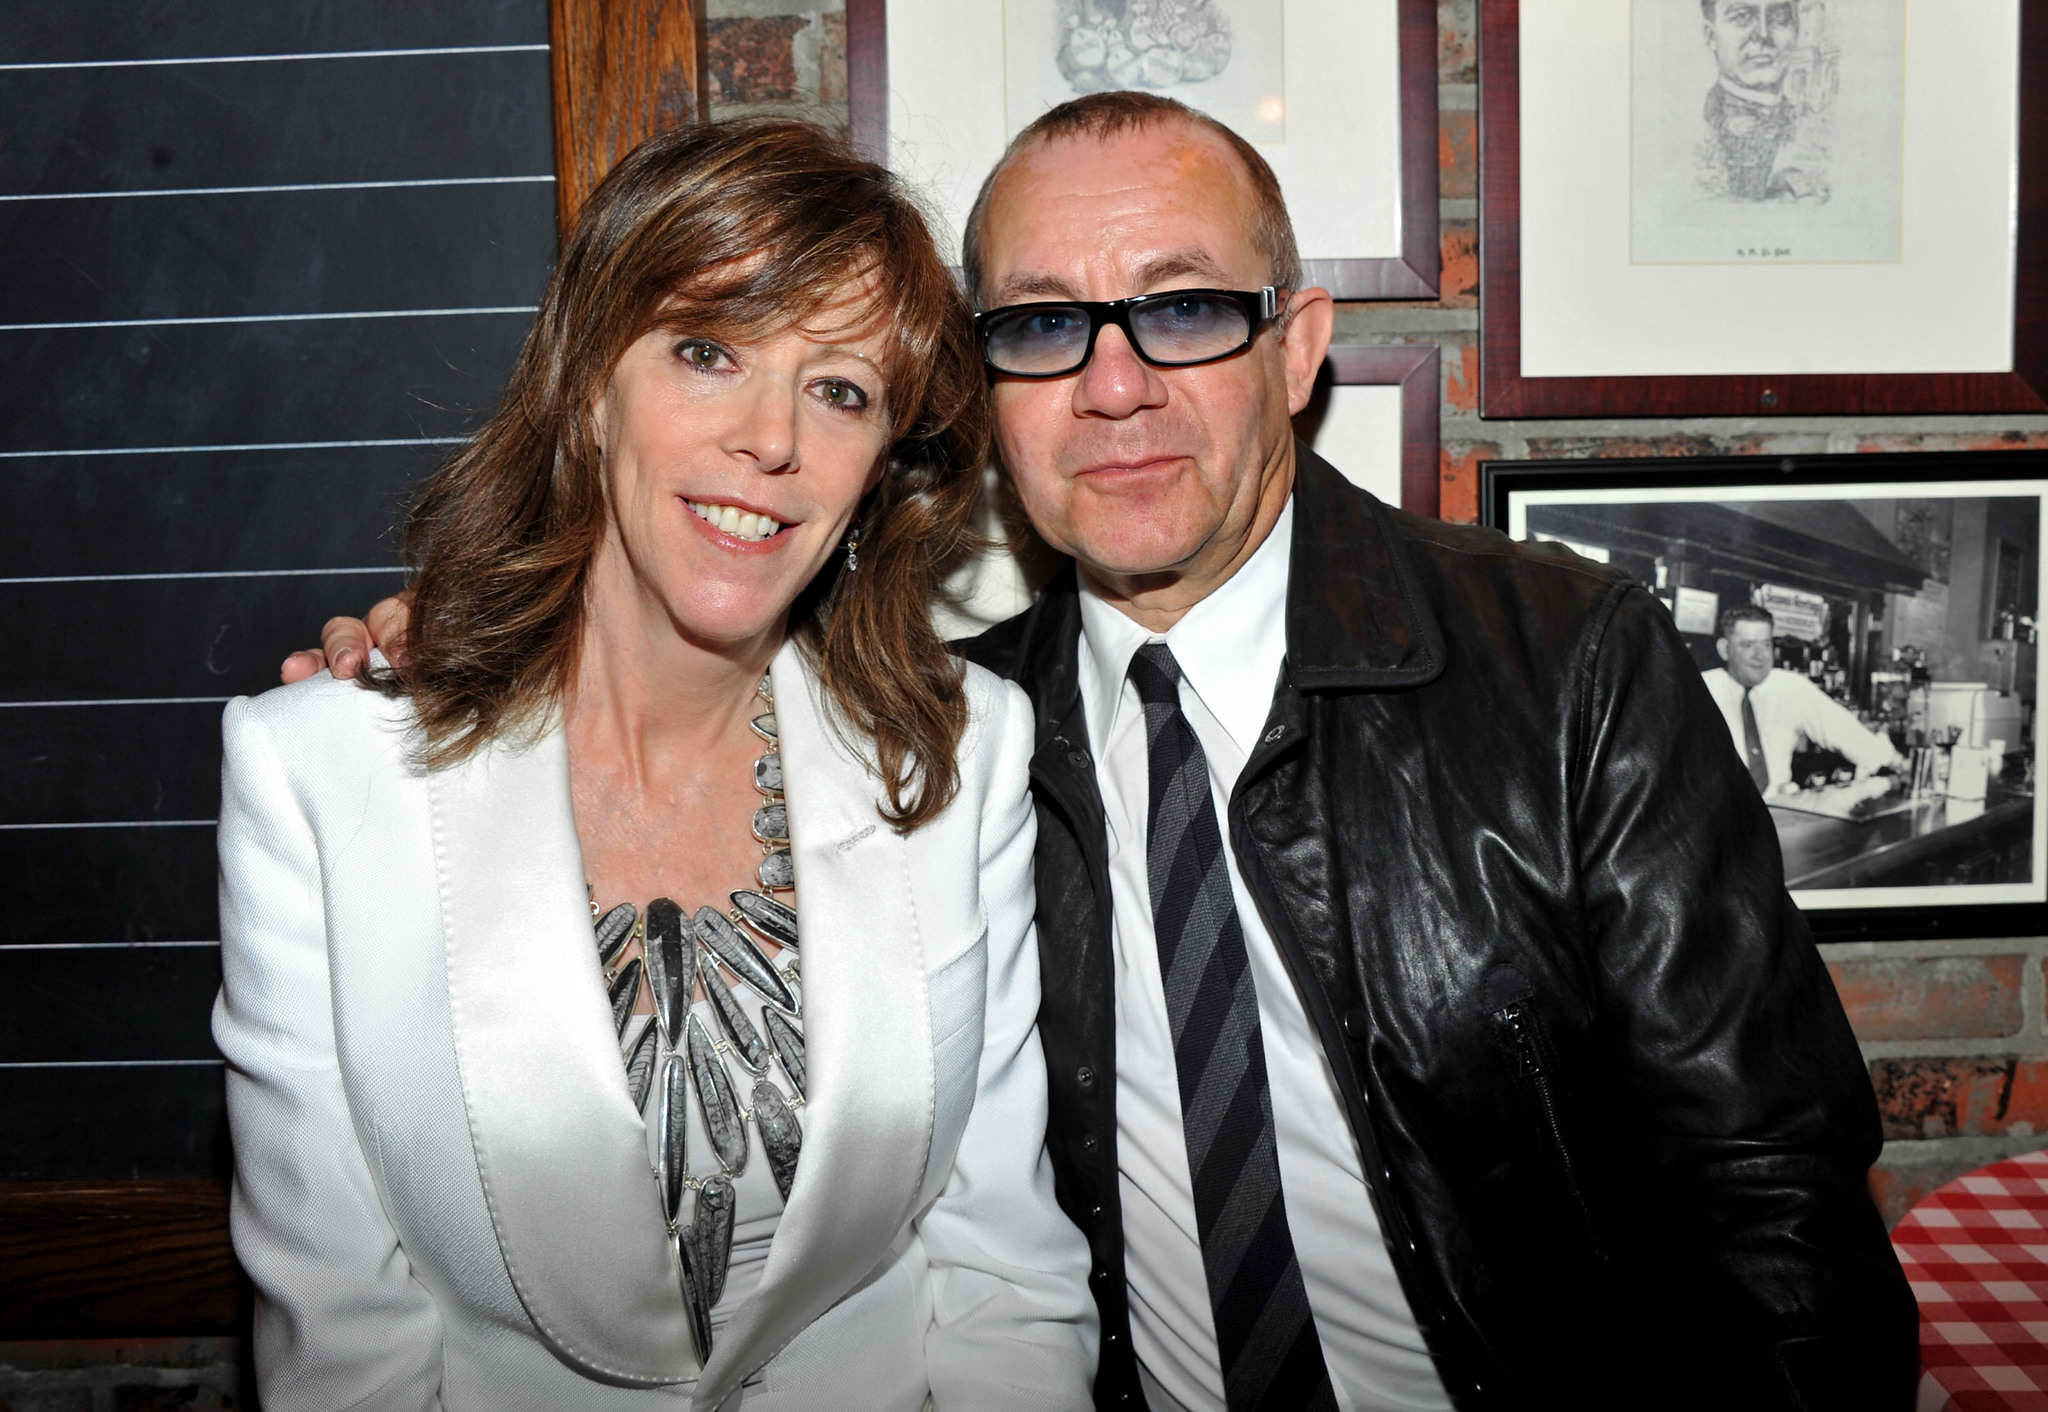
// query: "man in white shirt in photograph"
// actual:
[[1772, 712]]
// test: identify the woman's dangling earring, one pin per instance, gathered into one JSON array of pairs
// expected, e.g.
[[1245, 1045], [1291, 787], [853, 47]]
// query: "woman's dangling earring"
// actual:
[[853, 549]]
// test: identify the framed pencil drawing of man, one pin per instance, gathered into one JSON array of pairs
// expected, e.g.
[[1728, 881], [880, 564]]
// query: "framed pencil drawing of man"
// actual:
[[1766, 130]]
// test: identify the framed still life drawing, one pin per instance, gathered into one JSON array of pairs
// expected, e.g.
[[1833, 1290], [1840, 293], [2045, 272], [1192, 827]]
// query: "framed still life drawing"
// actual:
[[1759, 207], [1338, 95], [1878, 617]]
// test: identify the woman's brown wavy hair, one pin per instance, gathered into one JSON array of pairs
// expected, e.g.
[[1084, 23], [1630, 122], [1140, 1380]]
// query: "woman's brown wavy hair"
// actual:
[[742, 228]]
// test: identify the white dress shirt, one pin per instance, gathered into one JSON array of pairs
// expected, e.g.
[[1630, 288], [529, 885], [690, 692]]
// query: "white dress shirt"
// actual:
[[1230, 647], [1790, 708]]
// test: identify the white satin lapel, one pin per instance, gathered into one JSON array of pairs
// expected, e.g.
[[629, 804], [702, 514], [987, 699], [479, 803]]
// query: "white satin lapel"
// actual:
[[562, 1152], [867, 1040]]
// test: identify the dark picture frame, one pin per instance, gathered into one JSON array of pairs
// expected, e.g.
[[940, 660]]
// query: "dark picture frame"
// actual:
[[1892, 618], [1416, 368], [1505, 392], [1415, 274]]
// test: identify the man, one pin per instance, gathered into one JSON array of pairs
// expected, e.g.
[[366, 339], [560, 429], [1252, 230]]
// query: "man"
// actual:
[[1746, 109], [1771, 712], [1425, 1019]]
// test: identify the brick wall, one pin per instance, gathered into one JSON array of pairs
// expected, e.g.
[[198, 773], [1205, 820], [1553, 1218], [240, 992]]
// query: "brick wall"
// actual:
[[1954, 1031], [125, 1375]]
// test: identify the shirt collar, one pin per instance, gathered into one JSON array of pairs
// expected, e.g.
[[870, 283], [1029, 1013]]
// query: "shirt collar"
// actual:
[[1230, 645]]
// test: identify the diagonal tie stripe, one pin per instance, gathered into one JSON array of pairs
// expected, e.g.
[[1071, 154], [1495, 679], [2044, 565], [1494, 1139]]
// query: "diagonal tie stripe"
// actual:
[[1265, 1332]]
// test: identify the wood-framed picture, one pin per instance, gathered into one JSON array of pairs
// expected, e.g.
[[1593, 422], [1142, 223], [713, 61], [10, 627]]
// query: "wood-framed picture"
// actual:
[[1338, 95], [1763, 207], [1877, 616], [1376, 416]]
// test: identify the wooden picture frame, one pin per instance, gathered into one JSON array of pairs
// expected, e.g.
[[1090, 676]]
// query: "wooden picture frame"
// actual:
[[1416, 273], [1506, 391], [1415, 370], [1876, 570]]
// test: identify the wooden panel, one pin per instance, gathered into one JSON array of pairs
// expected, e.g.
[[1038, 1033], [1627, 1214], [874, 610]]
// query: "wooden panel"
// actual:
[[624, 70], [106, 1259]]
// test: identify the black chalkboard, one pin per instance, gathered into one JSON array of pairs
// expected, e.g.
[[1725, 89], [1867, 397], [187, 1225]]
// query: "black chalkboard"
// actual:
[[261, 262]]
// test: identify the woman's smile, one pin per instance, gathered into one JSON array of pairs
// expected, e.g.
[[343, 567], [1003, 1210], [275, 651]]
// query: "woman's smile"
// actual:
[[735, 521]]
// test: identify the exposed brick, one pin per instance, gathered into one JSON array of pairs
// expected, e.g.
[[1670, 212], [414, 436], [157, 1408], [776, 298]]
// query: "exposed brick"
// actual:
[[1458, 479], [1461, 377], [51, 1399], [749, 58], [1461, 266], [1545, 448], [1457, 155], [1960, 1097], [55, 1353], [1898, 1188], [172, 1399], [1457, 41], [1957, 441], [1756, 443], [832, 59], [1931, 997]]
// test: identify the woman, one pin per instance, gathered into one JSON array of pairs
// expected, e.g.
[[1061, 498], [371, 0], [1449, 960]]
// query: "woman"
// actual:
[[669, 669]]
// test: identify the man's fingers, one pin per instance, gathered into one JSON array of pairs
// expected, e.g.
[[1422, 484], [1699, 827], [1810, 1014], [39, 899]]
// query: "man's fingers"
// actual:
[[347, 644], [301, 665], [387, 624]]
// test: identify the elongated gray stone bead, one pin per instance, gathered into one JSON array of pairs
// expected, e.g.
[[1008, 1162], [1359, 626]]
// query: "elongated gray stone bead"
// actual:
[[782, 1139], [669, 944], [746, 1041], [693, 1296], [777, 871], [768, 773], [675, 1134], [711, 1233], [771, 823], [640, 1065], [764, 725], [788, 1043], [625, 993], [715, 1097], [614, 930], [774, 920], [742, 957]]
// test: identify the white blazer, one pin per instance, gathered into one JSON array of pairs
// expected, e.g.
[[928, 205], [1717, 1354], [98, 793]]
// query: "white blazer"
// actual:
[[442, 1190]]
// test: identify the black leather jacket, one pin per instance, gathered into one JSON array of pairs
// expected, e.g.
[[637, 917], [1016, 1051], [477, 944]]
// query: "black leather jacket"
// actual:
[[1615, 1124]]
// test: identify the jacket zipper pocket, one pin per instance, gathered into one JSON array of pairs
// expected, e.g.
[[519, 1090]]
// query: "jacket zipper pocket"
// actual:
[[1521, 1031]]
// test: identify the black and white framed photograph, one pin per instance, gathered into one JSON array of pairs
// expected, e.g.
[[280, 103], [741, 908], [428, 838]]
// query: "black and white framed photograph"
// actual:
[[1766, 130], [1339, 97], [1868, 628]]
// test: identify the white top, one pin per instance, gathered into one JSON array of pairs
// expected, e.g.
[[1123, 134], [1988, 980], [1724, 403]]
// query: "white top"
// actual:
[[1230, 647], [1789, 708]]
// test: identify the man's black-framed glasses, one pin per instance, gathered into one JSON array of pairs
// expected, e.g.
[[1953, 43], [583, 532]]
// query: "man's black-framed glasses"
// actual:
[[1176, 328]]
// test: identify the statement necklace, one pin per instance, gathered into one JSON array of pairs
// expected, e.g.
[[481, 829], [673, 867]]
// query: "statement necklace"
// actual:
[[677, 953]]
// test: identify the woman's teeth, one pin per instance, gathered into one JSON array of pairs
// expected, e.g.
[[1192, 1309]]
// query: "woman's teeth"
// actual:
[[740, 524]]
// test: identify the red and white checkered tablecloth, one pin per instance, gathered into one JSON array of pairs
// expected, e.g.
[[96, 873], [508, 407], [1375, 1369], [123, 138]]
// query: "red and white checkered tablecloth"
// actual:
[[1976, 1252]]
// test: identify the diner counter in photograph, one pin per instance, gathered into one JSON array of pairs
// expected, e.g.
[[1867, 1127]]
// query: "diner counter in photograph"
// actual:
[[1932, 836]]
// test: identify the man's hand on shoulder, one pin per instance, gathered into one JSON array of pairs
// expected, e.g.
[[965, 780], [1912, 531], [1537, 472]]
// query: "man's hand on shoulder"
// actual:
[[345, 643]]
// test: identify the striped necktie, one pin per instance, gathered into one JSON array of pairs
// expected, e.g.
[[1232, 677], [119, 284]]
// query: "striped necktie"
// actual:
[[1265, 1332]]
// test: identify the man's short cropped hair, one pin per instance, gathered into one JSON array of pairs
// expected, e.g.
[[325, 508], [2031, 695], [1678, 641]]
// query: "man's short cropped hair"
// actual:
[[1104, 115], [1745, 613]]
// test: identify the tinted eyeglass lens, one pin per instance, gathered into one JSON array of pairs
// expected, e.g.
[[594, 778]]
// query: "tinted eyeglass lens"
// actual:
[[1047, 338], [1188, 328]]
